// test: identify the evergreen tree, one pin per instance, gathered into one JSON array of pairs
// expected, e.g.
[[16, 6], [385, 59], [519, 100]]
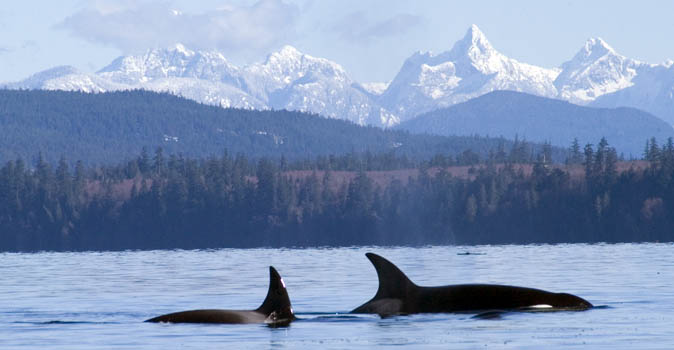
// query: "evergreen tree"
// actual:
[[576, 157], [144, 162], [159, 166], [652, 150], [589, 161], [266, 186]]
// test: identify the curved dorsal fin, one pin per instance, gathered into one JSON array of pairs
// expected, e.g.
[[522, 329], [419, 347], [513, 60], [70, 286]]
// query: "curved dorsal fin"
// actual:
[[277, 301], [393, 283]]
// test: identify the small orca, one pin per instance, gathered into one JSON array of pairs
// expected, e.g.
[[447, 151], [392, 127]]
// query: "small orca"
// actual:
[[397, 295], [275, 310]]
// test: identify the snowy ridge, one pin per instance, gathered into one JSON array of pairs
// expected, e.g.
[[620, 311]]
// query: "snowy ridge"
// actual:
[[205, 91], [375, 88], [173, 62], [290, 79], [471, 68], [595, 70], [67, 78], [652, 90]]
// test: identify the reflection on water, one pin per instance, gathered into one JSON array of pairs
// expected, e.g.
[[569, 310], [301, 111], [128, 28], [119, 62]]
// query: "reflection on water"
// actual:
[[98, 300]]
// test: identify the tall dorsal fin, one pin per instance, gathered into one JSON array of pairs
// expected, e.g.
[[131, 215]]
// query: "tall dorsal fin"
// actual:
[[277, 302], [392, 282]]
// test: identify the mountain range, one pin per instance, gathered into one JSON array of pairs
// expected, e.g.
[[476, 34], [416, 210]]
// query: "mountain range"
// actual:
[[289, 79]]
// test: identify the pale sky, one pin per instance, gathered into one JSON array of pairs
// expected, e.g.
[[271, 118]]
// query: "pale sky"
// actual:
[[370, 38]]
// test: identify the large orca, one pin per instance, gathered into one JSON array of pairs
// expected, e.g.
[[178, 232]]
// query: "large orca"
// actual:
[[397, 295], [275, 310]]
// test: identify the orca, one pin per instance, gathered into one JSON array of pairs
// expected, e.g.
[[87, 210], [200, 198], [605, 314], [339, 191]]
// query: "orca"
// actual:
[[398, 295], [275, 310]]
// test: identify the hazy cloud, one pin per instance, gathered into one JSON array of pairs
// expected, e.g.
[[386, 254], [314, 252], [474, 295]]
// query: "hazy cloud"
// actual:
[[4, 50], [356, 27], [133, 26]]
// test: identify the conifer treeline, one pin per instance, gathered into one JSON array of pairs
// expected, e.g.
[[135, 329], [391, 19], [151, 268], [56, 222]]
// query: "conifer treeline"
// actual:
[[162, 201]]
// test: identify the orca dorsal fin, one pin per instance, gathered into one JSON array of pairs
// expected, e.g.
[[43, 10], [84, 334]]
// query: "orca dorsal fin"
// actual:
[[393, 283], [277, 302]]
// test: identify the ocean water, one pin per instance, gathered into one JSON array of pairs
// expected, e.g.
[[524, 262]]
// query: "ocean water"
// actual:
[[99, 300]]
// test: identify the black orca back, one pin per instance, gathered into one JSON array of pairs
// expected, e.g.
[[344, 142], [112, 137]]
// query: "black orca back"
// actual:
[[275, 309], [398, 295]]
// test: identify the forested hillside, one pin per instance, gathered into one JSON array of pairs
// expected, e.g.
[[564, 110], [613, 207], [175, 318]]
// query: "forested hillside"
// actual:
[[540, 119], [105, 128]]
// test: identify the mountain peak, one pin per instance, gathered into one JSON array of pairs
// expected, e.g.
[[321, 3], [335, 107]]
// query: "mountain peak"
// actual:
[[475, 33], [592, 51], [475, 37], [594, 71], [288, 51], [473, 44], [597, 47], [178, 47], [285, 56], [175, 49]]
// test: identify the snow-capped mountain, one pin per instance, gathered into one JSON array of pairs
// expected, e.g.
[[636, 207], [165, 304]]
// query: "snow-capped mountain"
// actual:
[[290, 79], [66, 78], [175, 62], [652, 90], [471, 68], [205, 91], [287, 79], [594, 71], [286, 66]]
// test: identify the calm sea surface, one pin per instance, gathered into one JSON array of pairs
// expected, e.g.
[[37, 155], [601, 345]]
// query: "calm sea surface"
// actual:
[[99, 300]]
